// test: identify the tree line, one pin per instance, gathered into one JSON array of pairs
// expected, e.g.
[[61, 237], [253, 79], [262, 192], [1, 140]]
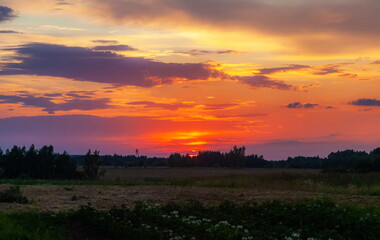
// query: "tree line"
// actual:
[[44, 163], [340, 161]]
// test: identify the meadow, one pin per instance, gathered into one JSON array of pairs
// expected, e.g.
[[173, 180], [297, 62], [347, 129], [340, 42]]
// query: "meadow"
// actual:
[[197, 203]]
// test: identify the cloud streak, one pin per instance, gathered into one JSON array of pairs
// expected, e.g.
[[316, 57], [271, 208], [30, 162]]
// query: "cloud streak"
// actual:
[[198, 52], [50, 107], [168, 106], [113, 48], [264, 81], [290, 67], [9, 32]]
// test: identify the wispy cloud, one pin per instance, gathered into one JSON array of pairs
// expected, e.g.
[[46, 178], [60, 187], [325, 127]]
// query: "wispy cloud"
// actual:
[[198, 52], [100, 41], [49, 106], [62, 28], [290, 67], [113, 48], [264, 81], [9, 32]]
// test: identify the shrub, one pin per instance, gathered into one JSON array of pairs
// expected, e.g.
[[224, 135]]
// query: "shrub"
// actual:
[[13, 195]]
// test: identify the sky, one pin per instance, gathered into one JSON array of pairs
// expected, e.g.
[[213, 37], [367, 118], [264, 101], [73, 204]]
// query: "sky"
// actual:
[[282, 78]]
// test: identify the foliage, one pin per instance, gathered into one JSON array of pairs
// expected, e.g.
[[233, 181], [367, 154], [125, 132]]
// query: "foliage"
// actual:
[[35, 163], [273, 220], [13, 195], [32, 226], [91, 165], [317, 219]]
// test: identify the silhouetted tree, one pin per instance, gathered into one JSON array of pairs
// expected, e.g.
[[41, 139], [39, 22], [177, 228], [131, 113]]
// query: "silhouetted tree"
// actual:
[[91, 165], [236, 157], [65, 167]]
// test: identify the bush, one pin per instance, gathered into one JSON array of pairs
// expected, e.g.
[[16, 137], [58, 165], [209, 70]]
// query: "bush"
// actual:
[[13, 195], [314, 219]]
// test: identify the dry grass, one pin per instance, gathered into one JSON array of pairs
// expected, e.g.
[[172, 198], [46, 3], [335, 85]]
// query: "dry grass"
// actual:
[[113, 173], [161, 185]]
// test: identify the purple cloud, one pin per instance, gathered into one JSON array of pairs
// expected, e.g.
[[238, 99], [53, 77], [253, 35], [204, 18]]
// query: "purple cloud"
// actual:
[[290, 67], [367, 102], [48, 106], [327, 70], [6, 13], [84, 64], [9, 32], [264, 81], [300, 105]]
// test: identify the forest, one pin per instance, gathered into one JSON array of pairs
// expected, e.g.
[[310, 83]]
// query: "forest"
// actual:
[[44, 163]]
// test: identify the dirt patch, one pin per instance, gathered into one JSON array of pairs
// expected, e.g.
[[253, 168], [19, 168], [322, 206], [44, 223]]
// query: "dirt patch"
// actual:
[[56, 198]]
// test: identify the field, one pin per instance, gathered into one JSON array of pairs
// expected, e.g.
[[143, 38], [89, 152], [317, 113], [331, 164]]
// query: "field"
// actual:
[[196, 194]]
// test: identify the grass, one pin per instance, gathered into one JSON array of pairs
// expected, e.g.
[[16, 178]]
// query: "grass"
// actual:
[[349, 183], [317, 219], [260, 180], [273, 220], [31, 226]]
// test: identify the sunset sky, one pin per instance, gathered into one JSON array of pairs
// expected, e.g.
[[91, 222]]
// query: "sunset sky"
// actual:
[[283, 78]]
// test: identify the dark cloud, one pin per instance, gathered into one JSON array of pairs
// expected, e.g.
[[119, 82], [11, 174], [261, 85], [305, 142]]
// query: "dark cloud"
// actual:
[[264, 81], [367, 102], [114, 48], [274, 17], [84, 64], [9, 32], [376, 62], [6, 13], [49, 106], [105, 41], [197, 52], [301, 105], [290, 67]]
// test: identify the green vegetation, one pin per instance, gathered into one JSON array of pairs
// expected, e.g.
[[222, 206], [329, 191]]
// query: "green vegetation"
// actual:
[[260, 180], [334, 183], [273, 220], [32, 226]]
